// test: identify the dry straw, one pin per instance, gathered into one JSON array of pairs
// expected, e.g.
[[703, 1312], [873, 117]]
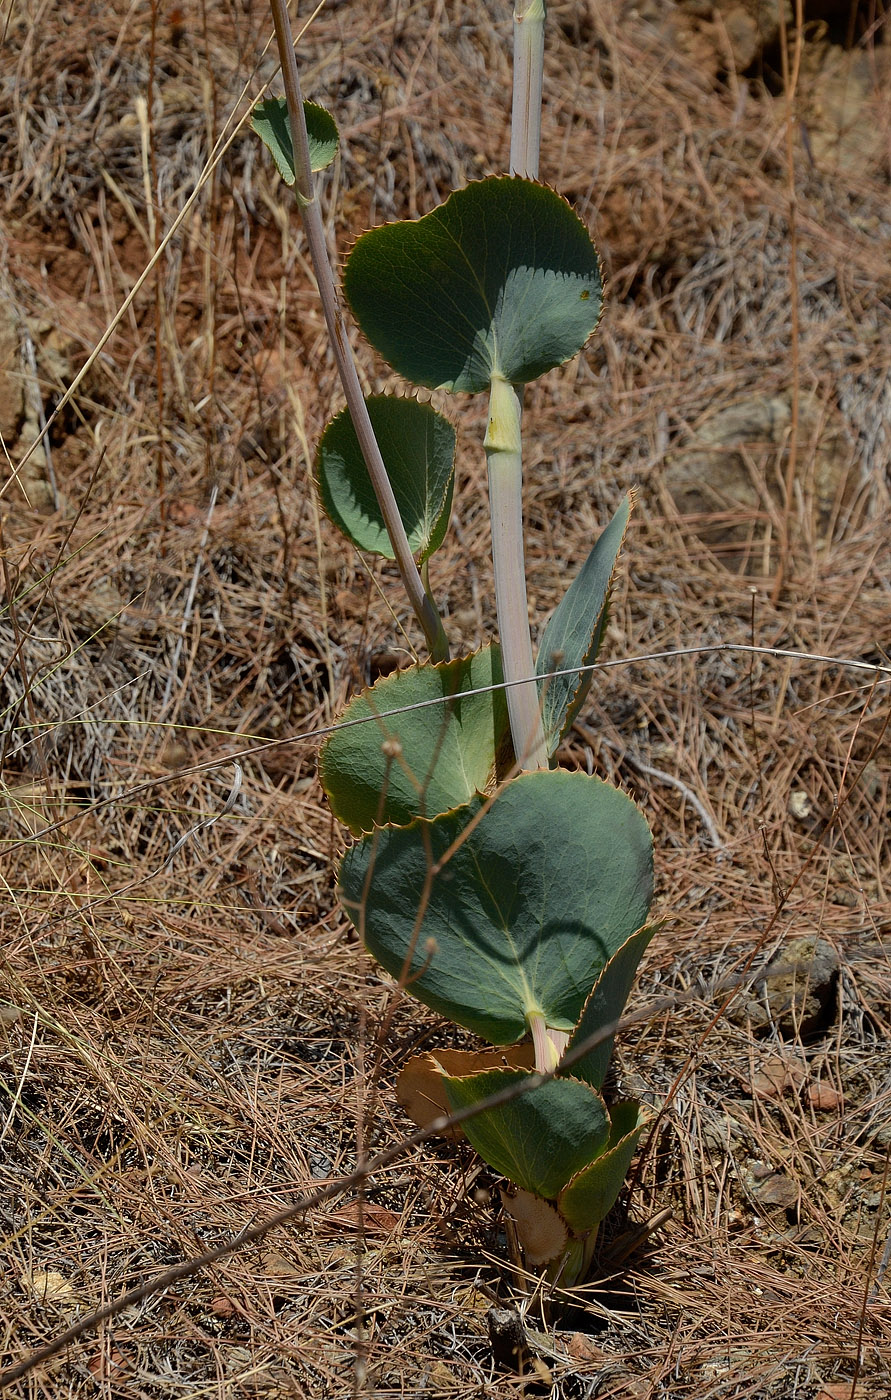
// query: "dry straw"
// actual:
[[189, 1057]]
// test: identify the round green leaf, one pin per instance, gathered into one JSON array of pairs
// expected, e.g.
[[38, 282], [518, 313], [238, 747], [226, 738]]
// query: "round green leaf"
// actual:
[[448, 747], [520, 919], [593, 1192], [540, 1139], [272, 124], [418, 448], [502, 279]]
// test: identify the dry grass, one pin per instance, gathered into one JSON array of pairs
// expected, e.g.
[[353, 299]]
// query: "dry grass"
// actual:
[[190, 1047]]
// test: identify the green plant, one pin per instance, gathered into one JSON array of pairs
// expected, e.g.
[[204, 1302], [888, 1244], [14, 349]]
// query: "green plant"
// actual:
[[507, 894]]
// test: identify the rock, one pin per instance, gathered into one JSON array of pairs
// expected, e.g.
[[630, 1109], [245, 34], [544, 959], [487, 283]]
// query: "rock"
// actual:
[[849, 886], [773, 1190], [744, 36], [825, 1098], [581, 1347], [26, 367], [763, 15], [797, 993], [718, 479], [693, 45], [748, 25], [778, 1075], [440, 1378], [12, 388], [844, 93]]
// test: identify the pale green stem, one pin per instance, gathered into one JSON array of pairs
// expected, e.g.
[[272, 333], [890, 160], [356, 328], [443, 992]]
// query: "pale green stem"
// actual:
[[503, 446], [546, 1056], [424, 609], [525, 124]]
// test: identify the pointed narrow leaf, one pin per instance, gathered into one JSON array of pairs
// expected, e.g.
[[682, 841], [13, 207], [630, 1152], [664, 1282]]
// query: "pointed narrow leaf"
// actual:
[[606, 1004], [593, 1192], [272, 124], [575, 631], [418, 448], [531, 903], [540, 1139], [500, 279], [448, 749]]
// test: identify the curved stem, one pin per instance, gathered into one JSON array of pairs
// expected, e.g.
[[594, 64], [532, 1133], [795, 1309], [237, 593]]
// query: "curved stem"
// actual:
[[424, 609], [503, 444], [525, 123]]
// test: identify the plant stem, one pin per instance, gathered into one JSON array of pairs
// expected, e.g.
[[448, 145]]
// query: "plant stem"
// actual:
[[504, 457], [546, 1057], [424, 609], [503, 441], [525, 123]]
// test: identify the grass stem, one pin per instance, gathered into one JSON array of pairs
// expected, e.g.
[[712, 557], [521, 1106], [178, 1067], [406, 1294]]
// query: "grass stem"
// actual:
[[525, 124], [423, 607]]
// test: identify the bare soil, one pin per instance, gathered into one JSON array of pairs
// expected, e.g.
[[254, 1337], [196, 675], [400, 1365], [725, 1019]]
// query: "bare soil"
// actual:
[[188, 1045]]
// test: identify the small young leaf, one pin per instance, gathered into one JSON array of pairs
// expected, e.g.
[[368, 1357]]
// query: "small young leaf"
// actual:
[[533, 900], [538, 1140], [575, 631], [448, 751], [272, 124], [418, 448], [500, 279], [606, 1004], [593, 1192]]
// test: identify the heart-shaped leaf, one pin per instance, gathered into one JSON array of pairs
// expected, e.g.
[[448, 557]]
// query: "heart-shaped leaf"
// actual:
[[418, 448], [593, 1192], [272, 124], [606, 1004], [501, 279], [540, 1139], [448, 747], [575, 631], [535, 897]]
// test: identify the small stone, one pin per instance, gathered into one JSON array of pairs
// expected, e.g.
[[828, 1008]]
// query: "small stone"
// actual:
[[710, 475], [824, 1097], [776, 1190], [49, 1286], [796, 994], [439, 1377], [583, 1348], [744, 35], [800, 805], [777, 1075], [222, 1306], [12, 391]]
